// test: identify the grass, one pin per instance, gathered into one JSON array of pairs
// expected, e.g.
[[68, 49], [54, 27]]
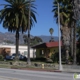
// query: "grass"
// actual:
[[4, 66], [24, 65]]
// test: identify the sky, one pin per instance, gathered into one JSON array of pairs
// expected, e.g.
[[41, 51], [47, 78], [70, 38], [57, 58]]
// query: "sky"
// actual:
[[45, 19]]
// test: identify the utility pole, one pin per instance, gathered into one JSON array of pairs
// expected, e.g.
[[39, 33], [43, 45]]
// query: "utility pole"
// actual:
[[60, 64]]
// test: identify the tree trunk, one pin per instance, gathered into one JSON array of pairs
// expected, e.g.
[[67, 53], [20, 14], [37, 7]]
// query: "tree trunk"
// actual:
[[71, 41], [67, 56], [28, 61], [65, 34], [17, 44], [74, 42]]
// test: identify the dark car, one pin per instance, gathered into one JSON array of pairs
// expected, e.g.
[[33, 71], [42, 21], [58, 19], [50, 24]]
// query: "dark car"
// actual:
[[8, 57], [21, 57]]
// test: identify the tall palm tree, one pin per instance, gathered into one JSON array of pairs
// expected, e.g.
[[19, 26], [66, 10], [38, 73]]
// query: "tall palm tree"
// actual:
[[65, 20], [78, 41], [14, 16], [71, 38], [51, 32]]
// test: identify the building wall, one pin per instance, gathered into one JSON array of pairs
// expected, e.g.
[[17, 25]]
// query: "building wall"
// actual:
[[5, 51], [53, 51], [22, 49], [46, 52]]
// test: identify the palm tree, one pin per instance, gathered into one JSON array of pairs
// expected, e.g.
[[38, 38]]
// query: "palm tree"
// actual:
[[15, 17], [71, 38], [78, 41], [65, 20], [51, 32]]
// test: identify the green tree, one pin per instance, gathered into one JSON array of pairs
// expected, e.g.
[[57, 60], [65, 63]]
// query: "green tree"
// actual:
[[14, 16], [25, 37], [33, 40], [36, 40], [66, 18], [51, 32]]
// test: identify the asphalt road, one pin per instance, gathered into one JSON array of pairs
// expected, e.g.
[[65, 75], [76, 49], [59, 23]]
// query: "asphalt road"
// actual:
[[14, 74]]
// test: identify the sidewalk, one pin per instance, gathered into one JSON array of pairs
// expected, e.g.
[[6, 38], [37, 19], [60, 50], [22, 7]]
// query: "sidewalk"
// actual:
[[72, 70], [48, 70], [7, 78]]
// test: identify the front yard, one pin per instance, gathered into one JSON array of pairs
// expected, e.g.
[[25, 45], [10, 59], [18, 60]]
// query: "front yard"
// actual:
[[24, 65]]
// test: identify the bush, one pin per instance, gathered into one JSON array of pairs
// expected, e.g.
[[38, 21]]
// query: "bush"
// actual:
[[55, 57], [48, 60], [41, 59], [1, 58]]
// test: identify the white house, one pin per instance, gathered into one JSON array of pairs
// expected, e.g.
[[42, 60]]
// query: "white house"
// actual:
[[22, 50]]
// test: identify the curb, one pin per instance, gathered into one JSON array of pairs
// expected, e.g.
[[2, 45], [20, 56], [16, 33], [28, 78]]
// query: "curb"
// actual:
[[38, 69]]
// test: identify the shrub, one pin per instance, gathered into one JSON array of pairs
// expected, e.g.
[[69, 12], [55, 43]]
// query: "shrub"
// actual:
[[1, 58], [48, 60], [41, 59], [55, 57]]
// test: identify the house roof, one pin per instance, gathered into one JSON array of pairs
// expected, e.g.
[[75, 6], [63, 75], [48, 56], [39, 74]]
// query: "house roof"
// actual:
[[47, 45]]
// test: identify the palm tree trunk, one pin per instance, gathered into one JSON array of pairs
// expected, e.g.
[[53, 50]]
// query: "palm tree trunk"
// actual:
[[28, 61], [74, 42], [71, 42], [65, 33], [67, 56], [17, 44]]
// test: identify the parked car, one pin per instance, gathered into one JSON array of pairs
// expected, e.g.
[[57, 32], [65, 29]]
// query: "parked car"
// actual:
[[21, 57], [8, 57]]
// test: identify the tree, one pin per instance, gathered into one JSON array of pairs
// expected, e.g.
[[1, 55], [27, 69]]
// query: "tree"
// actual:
[[14, 16], [78, 41], [36, 40], [51, 32], [66, 19], [25, 37], [33, 40]]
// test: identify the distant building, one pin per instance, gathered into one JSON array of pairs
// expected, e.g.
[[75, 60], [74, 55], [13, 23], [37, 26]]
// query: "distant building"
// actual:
[[46, 49], [10, 49]]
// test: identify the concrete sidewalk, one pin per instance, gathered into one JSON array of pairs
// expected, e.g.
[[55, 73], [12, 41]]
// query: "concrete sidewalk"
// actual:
[[7, 78], [71, 70]]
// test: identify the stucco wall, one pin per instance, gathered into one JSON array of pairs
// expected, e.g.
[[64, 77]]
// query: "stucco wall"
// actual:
[[51, 51], [22, 49]]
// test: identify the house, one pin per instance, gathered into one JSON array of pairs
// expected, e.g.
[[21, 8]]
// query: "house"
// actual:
[[46, 49], [10, 49]]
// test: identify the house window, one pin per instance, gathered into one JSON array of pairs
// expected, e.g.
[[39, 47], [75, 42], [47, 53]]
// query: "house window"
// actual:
[[41, 52]]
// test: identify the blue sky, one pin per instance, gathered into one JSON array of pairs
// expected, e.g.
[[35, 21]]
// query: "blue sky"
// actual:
[[45, 19]]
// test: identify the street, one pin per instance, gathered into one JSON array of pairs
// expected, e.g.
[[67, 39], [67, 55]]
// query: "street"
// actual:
[[14, 74]]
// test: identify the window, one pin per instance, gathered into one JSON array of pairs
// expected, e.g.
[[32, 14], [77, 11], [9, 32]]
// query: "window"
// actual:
[[41, 52]]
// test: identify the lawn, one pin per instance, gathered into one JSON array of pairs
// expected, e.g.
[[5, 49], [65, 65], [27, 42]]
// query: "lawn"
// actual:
[[24, 65]]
